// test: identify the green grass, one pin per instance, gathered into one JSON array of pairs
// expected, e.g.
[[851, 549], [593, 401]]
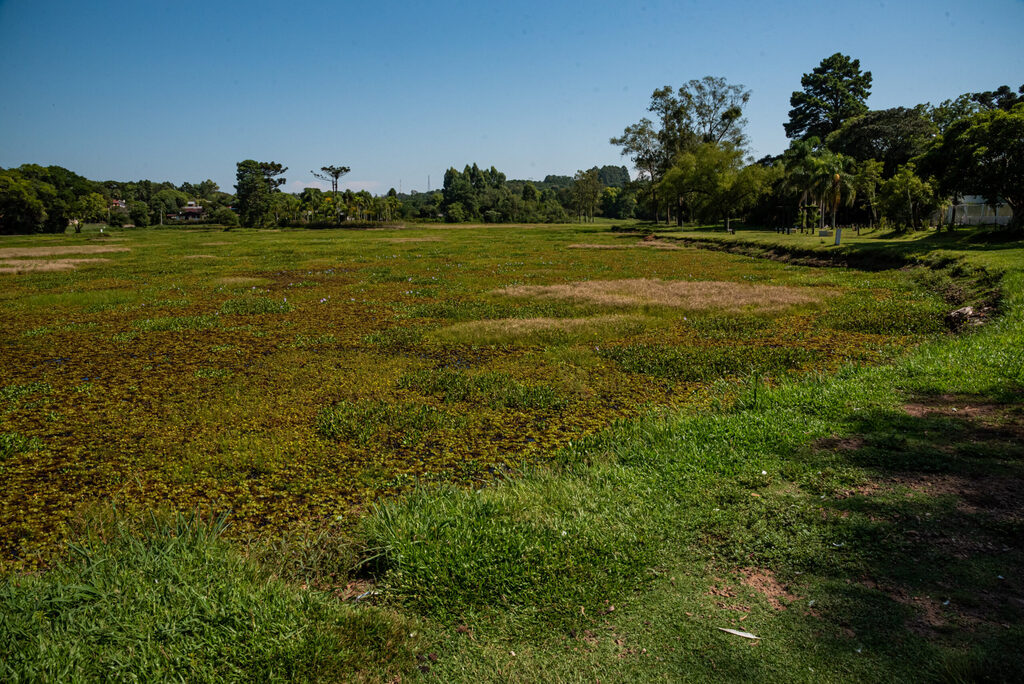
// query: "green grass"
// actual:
[[558, 522], [12, 443], [171, 601], [366, 421]]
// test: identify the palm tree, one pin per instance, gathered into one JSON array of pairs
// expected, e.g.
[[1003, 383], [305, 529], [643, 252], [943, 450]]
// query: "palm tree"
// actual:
[[834, 176], [799, 164]]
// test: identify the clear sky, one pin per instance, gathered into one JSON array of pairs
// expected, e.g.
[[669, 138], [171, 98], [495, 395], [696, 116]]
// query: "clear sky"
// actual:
[[401, 91]]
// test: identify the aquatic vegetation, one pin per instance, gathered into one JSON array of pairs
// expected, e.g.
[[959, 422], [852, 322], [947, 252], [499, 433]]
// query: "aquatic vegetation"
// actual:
[[363, 422], [255, 305], [302, 376]]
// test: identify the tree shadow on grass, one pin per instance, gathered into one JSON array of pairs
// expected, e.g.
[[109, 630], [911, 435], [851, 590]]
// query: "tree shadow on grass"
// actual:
[[939, 534]]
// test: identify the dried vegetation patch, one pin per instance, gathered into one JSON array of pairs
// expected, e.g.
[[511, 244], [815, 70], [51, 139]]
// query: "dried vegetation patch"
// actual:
[[765, 583], [695, 295], [39, 265], [29, 252]]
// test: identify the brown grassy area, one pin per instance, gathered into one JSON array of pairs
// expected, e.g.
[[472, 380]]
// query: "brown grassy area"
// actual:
[[24, 266], [22, 252], [705, 294]]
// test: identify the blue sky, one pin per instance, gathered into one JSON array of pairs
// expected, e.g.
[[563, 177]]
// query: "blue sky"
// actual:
[[399, 91]]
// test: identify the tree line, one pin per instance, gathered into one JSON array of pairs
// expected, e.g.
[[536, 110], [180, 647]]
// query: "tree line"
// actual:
[[846, 164], [50, 199]]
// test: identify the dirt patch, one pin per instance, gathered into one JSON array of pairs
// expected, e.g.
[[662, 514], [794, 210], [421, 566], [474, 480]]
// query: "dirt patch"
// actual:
[[411, 239], [37, 265], [765, 583], [853, 443], [953, 405], [29, 252], [998, 496], [354, 589], [724, 591], [695, 295]]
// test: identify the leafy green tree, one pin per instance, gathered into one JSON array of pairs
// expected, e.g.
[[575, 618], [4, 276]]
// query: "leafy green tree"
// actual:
[[894, 136], [586, 191], [167, 201], [833, 180], [866, 182], [641, 144], [224, 217], [139, 213], [798, 177], [740, 190], [984, 155], [698, 178], [459, 190], [906, 198], [22, 203], [613, 176], [284, 208], [617, 203], [332, 174], [836, 90], [715, 109], [456, 213], [93, 207], [256, 183], [1002, 97], [944, 114]]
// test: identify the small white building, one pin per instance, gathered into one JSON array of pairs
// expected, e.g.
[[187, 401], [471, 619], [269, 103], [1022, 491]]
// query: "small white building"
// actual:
[[973, 210]]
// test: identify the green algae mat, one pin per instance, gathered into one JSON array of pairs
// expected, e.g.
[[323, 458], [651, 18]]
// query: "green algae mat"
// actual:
[[291, 378]]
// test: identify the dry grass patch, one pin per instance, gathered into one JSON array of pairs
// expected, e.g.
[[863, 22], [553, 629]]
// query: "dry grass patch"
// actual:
[[23, 252], [243, 280], [216, 244], [200, 256], [541, 330], [702, 294], [23, 266]]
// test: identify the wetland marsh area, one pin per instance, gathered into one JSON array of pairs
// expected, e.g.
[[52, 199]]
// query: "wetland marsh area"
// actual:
[[508, 453]]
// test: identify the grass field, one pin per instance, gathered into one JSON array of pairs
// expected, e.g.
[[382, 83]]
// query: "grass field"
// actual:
[[547, 452]]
